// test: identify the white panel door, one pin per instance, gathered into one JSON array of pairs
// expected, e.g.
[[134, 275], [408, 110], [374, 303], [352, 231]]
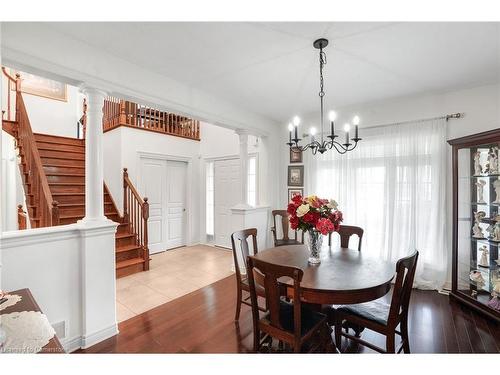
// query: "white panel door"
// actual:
[[227, 191], [153, 185], [176, 203]]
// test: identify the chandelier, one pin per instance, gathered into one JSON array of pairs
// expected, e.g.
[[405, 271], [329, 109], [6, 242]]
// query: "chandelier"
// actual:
[[323, 145]]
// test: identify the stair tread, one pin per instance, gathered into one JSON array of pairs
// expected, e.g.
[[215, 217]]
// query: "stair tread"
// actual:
[[77, 204], [67, 183], [122, 249], [129, 262], [56, 193], [124, 235], [45, 148], [63, 166], [63, 174]]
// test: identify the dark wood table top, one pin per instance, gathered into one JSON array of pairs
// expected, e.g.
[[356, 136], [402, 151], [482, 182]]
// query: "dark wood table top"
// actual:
[[345, 276], [28, 303]]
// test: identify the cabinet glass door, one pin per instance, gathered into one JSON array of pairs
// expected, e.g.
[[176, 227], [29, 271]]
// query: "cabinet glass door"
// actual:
[[478, 262]]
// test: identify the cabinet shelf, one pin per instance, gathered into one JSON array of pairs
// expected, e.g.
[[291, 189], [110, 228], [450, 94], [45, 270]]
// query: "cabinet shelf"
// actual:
[[467, 250]]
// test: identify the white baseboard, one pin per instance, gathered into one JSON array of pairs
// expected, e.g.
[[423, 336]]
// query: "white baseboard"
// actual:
[[70, 345], [96, 337]]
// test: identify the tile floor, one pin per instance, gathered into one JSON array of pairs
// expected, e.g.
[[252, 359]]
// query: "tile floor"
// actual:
[[172, 274]]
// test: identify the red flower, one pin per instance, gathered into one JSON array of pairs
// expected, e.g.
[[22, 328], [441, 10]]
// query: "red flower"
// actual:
[[297, 199], [291, 209], [325, 226], [309, 217], [294, 222]]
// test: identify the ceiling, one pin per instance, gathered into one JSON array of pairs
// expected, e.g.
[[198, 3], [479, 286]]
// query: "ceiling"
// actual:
[[272, 68]]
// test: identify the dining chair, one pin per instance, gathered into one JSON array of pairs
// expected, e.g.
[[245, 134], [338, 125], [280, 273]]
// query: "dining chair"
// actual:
[[380, 317], [345, 232], [239, 242], [285, 225], [289, 322]]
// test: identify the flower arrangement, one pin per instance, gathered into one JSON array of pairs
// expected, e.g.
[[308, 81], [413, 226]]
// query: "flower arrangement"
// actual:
[[312, 213]]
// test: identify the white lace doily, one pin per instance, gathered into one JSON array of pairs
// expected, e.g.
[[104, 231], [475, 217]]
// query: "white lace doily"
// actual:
[[12, 299], [26, 331]]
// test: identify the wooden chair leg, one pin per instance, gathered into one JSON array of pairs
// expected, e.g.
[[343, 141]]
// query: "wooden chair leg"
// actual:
[[256, 340], [404, 336], [338, 335], [238, 305], [390, 343]]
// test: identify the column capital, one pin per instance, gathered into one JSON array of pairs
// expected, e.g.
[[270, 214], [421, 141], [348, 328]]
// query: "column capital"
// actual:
[[90, 90], [241, 132]]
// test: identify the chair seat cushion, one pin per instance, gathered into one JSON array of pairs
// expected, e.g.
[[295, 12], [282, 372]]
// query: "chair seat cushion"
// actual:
[[309, 318], [375, 311]]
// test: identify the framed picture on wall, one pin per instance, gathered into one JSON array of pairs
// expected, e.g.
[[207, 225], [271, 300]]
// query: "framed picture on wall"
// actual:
[[40, 86], [292, 192], [295, 155], [295, 175]]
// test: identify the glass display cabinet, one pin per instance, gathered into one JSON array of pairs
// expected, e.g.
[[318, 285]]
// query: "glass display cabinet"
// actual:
[[476, 222]]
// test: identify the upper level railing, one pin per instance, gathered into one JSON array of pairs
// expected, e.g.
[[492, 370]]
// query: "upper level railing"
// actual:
[[119, 112]]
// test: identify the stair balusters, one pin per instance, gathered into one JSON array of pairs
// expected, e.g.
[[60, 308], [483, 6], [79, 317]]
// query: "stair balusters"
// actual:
[[136, 214]]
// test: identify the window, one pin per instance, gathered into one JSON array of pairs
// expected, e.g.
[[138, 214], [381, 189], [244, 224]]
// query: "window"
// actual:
[[210, 199], [394, 187], [252, 181]]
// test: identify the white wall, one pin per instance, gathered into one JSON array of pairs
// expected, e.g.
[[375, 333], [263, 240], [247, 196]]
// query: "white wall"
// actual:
[[54, 116], [70, 271], [217, 142], [50, 116]]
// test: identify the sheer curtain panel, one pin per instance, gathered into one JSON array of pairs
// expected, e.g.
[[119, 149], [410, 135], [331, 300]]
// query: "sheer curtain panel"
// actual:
[[394, 187]]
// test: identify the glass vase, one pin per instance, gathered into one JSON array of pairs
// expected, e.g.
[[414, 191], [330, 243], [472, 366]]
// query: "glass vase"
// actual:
[[314, 243]]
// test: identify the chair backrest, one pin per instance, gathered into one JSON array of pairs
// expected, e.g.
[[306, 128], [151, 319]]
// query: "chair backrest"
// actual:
[[345, 232], [285, 225], [267, 275], [285, 222], [241, 250], [405, 274]]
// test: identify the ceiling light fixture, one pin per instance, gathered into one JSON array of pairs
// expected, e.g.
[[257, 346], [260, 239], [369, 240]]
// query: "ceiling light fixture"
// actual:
[[323, 145]]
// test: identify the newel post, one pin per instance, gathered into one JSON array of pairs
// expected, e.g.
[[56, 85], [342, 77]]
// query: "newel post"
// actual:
[[125, 200], [55, 213], [21, 218], [145, 216]]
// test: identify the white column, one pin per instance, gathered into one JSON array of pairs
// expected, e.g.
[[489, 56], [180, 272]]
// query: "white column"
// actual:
[[243, 136], [94, 162]]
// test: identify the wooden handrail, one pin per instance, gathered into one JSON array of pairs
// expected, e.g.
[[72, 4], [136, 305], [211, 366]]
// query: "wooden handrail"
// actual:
[[22, 218], [36, 184], [136, 213], [119, 112], [17, 82]]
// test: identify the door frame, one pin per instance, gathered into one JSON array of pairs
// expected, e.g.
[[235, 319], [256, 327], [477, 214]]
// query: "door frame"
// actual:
[[189, 184]]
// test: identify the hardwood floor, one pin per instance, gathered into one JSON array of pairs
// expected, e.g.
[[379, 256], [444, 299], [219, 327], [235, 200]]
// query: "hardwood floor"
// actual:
[[202, 322]]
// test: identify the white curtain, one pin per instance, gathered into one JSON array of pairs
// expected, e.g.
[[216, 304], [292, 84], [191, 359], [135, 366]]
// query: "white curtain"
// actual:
[[393, 185]]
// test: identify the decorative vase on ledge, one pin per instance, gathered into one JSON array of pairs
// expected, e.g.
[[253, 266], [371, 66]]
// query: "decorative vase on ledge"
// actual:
[[314, 243]]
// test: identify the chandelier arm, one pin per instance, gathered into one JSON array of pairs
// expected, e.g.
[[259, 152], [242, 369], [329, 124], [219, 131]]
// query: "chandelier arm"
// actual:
[[339, 148]]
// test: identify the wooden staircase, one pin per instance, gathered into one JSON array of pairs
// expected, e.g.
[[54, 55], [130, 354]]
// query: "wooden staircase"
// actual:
[[63, 161], [53, 174]]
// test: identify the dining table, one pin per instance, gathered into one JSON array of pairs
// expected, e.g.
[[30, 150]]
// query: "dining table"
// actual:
[[344, 276]]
